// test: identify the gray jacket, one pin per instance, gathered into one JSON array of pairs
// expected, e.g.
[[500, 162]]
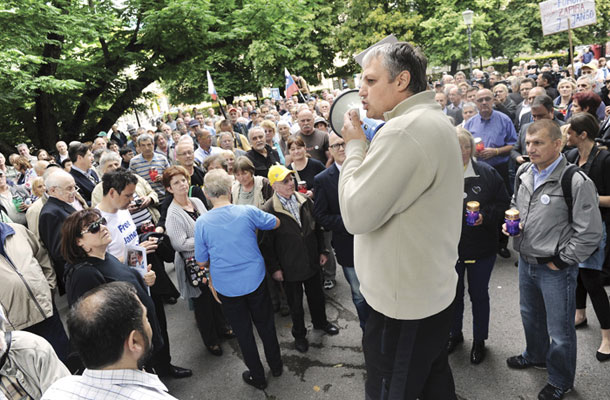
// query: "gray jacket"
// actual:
[[181, 230], [547, 234]]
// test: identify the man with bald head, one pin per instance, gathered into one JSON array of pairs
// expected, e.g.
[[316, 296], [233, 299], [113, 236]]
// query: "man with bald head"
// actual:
[[526, 117], [61, 189], [498, 134], [316, 141]]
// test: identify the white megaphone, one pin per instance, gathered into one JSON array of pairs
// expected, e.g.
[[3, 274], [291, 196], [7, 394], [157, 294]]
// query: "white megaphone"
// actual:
[[348, 100]]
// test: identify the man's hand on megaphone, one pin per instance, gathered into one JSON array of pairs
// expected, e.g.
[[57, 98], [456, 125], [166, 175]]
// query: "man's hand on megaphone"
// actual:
[[352, 127]]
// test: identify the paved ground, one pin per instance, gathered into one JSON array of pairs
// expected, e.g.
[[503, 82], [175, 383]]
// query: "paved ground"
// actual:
[[334, 366]]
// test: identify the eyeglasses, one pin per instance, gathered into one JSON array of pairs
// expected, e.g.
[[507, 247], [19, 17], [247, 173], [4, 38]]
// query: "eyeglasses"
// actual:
[[336, 146], [95, 226], [186, 153]]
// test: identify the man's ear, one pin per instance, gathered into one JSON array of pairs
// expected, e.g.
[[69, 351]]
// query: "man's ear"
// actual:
[[135, 343], [402, 81]]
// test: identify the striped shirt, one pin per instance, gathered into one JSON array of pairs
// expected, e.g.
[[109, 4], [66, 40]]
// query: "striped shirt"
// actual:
[[140, 166], [292, 206], [116, 384]]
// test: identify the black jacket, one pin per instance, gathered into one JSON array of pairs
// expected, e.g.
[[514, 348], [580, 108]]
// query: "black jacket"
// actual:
[[85, 185], [328, 214], [488, 188], [261, 163], [52, 217], [93, 272], [597, 168], [292, 248]]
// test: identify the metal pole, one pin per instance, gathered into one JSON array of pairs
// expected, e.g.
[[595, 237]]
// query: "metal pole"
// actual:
[[469, 52], [571, 47]]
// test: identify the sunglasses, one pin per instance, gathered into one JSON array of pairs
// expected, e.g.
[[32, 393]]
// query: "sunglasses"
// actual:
[[95, 226]]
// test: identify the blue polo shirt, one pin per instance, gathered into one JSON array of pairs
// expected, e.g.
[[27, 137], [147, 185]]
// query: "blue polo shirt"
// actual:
[[497, 131]]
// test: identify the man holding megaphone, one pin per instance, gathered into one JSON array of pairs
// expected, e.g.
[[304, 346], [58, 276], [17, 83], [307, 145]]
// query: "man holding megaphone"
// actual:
[[410, 182]]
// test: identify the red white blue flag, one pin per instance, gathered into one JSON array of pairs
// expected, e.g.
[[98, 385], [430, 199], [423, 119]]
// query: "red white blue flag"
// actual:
[[291, 86], [211, 88]]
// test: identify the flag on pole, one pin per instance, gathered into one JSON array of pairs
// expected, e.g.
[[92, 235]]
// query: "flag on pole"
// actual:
[[291, 86], [211, 89]]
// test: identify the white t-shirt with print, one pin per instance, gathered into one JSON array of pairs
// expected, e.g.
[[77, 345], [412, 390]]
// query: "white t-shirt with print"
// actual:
[[122, 230]]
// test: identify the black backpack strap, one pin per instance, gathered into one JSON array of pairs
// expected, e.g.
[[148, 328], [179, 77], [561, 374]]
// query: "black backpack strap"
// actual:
[[566, 187]]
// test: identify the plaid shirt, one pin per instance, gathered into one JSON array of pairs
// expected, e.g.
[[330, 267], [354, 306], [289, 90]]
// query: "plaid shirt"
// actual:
[[121, 384], [292, 206]]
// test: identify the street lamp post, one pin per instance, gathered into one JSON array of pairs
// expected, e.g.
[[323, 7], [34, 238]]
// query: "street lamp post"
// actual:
[[467, 15]]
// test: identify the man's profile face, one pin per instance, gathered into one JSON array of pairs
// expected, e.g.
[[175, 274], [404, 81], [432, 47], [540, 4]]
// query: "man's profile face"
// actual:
[[377, 92], [147, 336], [123, 199], [88, 159], [127, 156], [66, 189]]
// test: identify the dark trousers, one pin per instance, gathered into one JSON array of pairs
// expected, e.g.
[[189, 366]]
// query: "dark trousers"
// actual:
[[479, 273], [210, 319], [161, 358], [53, 331], [255, 307], [315, 300], [407, 359], [590, 281]]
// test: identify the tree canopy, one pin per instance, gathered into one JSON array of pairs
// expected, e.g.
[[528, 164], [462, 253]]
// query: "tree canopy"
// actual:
[[71, 68]]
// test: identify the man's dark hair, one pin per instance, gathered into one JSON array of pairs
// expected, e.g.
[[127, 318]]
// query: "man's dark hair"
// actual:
[[225, 123], [402, 56], [118, 180], [544, 101], [548, 77], [101, 320], [124, 151], [76, 150], [63, 163]]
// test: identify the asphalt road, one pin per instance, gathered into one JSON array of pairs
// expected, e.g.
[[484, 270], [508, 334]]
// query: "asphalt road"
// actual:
[[334, 366]]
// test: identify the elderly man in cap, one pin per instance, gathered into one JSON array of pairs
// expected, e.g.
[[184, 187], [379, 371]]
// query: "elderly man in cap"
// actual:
[[294, 252]]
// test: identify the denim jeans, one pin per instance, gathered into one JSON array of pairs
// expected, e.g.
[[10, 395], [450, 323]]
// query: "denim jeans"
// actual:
[[362, 307], [547, 300]]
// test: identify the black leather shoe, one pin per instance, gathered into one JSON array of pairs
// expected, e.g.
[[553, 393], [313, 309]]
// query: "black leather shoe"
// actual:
[[277, 371], [518, 362], [477, 354], [504, 252], [301, 344], [174, 372], [261, 385], [170, 300], [330, 329], [215, 350], [601, 357], [453, 342], [550, 392]]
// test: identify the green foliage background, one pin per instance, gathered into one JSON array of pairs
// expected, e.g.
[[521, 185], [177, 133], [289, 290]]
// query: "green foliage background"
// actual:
[[70, 68]]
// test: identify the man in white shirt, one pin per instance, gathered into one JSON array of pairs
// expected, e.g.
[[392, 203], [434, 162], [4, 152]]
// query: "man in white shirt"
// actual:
[[110, 331]]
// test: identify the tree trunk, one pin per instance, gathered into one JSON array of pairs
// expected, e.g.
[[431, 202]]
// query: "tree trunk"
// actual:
[[454, 66], [123, 102], [46, 121]]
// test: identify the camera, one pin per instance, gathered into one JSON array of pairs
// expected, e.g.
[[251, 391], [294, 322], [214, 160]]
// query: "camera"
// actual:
[[138, 202]]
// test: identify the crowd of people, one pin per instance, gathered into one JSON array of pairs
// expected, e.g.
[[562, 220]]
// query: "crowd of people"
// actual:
[[259, 208]]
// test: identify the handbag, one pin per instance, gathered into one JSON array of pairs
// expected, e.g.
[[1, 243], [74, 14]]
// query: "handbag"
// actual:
[[195, 274]]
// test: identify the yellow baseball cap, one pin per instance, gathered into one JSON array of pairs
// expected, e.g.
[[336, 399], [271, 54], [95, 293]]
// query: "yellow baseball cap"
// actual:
[[278, 173]]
